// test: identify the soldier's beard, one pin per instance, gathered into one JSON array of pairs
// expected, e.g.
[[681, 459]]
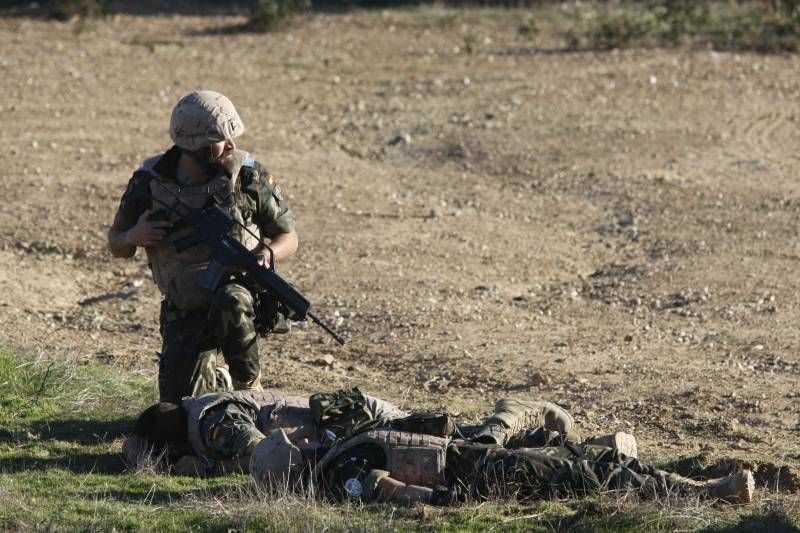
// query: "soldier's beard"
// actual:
[[206, 160]]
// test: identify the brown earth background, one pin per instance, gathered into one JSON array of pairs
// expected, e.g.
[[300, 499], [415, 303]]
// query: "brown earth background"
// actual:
[[613, 231]]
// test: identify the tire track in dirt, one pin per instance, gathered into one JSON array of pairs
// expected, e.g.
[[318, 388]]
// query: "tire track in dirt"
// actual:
[[769, 133]]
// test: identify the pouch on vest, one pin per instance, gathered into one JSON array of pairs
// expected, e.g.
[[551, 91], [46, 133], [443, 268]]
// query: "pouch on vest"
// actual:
[[436, 424], [344, 413]]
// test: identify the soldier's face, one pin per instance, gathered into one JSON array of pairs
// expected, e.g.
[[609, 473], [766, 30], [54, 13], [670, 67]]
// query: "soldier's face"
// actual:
[[222, 149]]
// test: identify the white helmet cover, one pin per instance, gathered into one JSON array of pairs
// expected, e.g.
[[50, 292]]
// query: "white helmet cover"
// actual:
[[202, 118]]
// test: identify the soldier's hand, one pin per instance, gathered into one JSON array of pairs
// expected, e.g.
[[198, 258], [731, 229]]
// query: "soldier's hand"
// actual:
[[266, 257], [147, 232]]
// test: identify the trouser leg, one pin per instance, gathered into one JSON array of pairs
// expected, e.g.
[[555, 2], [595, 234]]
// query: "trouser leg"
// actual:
[[534, 474], [230, 319], [187, 362], [382, 409], [519, 417]]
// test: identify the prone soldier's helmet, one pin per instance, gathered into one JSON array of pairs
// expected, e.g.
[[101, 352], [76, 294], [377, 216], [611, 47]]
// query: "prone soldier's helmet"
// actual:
[[275, 462], [202, 118]]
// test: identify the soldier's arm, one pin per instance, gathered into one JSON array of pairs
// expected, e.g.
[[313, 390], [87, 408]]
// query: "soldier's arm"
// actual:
[[123, 243], [271, 212], [131, 227], [283, 245], [230, 431], [118, 243]]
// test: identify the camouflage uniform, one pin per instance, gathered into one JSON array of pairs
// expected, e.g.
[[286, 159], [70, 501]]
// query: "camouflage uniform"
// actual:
[[461, 469], [534, 423], [191, 337], [483, 471], [225, 425]]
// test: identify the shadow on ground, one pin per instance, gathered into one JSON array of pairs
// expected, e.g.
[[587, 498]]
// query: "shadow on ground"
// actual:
[[774, 477], [773, 522], [83, 431], [78, 463]]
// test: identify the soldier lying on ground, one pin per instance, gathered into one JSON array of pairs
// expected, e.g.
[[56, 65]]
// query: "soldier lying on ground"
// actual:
[[216, 433], [385, 464], [505, 457]]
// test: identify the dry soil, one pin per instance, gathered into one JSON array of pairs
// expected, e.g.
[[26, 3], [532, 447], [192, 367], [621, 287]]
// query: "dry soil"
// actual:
[[482, 215]]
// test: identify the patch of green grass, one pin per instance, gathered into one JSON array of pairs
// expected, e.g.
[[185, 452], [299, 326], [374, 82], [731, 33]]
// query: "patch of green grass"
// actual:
[[60, 470], [268, 15], [64, 396]]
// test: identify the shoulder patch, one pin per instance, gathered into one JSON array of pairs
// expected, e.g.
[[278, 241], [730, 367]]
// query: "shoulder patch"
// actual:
[[249, 161]]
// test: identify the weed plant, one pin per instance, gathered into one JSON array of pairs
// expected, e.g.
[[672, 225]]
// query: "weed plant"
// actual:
[[771, 26], [269, 15]]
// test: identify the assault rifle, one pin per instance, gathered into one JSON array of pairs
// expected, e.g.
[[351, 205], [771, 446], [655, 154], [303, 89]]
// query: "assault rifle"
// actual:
[[212, 226]]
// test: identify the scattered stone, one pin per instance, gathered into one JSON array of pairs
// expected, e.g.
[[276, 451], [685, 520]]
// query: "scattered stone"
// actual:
[[325, 360], [539, 379], [403, 138]]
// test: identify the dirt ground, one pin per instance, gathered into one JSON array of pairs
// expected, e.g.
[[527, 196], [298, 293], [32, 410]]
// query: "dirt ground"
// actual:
[[614, 231]]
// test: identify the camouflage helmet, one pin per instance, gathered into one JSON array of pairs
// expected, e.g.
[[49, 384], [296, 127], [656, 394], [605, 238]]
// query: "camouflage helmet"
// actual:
[[275, 462], [202, 118]]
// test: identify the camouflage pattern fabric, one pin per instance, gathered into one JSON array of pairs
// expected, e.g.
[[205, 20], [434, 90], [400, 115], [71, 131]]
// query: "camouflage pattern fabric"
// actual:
[[189, 351], [202, 118], [345, 413], [230, 429], [520, 416], [262, 201], [484, 471], [187, 363], [231, 321]]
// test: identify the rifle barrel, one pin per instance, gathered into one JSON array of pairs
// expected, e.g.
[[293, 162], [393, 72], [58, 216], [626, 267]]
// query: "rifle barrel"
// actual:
[[324, 326]]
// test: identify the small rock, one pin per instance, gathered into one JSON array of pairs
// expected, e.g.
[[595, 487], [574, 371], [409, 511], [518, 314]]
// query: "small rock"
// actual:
[[539, 379], [325, 360], [404, 138]]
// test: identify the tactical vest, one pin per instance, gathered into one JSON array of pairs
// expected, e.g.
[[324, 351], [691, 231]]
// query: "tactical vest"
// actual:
[[178, 274], [275, 409], [412, 458]]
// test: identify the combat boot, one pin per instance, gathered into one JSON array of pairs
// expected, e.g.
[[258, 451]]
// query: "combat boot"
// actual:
[[624, 443], [736, 488], [255, 384]]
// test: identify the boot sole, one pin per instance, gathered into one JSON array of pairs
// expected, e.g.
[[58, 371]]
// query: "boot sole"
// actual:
[[626, 444]]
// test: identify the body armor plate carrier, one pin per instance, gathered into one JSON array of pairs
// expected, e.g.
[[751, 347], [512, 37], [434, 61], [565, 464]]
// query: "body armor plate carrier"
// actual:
[[178, 274], [412, 458]]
